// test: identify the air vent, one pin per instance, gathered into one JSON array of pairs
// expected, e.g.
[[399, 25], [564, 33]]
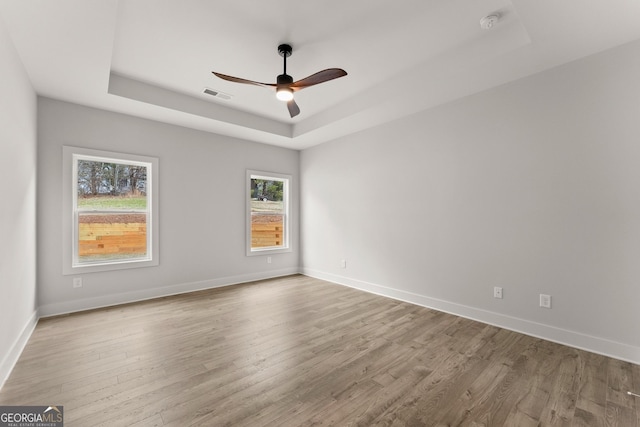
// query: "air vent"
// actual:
[[217, 93]]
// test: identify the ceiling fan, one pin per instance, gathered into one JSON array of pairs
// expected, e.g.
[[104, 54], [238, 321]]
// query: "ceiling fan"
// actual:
[[285, 86]]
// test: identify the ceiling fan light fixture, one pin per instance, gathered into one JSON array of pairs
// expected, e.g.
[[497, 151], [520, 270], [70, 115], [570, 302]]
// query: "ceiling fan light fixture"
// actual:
[[284, 94], [285, 86], [284, 91]]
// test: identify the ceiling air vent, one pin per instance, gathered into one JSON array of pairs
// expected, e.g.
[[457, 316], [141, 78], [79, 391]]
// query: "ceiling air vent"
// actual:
[[217, 94]]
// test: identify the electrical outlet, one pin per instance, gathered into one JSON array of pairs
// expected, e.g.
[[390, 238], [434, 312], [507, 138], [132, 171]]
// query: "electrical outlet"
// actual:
[[268, 260], [497, 292], [545, 301], [77, 282], [343, 263]]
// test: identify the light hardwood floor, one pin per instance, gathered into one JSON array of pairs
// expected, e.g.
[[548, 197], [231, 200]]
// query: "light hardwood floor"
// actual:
[[297, 351]]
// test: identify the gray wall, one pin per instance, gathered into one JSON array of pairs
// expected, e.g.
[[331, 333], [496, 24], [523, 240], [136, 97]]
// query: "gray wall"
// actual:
[[533, 186], [18, 304], [202, 207]]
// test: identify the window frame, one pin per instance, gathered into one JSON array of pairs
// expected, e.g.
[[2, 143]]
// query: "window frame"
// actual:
[[286, 246], [71, 155]]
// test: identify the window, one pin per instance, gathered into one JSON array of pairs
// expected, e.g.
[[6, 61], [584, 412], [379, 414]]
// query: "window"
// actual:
[[268, 208], [110, 210]]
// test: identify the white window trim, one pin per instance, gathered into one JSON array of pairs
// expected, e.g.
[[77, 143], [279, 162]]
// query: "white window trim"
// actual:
[[286, 247], [69, 190]]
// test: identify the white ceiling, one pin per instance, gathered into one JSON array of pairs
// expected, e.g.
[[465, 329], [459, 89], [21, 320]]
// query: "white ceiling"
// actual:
[[153, 58]]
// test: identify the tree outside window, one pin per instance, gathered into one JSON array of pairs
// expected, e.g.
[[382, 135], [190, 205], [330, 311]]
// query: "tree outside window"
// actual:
[[111, 201], [268, 228]]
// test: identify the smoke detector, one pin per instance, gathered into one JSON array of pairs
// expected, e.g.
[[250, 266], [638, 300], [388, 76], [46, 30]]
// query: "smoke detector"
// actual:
[[489, 21]]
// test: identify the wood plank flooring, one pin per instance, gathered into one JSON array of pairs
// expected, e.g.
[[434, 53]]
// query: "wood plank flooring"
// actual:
[[297, 351]]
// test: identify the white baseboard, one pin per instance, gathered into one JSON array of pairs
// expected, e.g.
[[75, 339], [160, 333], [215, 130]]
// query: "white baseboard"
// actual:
[[12, 356], [574, 339], [66, 307]]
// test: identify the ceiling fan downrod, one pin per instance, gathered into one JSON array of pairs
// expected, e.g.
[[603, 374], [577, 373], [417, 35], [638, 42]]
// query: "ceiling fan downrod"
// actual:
[[285, 51], [284, 92]]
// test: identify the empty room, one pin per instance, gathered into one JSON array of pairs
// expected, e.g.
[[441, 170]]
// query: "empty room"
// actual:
[[292, 213]]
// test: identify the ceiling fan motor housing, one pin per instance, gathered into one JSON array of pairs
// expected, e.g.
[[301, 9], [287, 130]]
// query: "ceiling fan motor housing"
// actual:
[[284, 79]]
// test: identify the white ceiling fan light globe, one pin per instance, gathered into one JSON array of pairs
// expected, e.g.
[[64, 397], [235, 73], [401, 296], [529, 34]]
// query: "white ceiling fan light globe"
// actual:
[[284, 94]]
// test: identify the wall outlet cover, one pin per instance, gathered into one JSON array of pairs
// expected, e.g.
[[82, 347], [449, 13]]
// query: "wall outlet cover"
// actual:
[[545, 301]]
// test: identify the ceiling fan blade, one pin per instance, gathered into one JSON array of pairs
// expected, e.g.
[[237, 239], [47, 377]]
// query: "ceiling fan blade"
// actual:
[[319, 77], [239, 80], [294, 110]]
